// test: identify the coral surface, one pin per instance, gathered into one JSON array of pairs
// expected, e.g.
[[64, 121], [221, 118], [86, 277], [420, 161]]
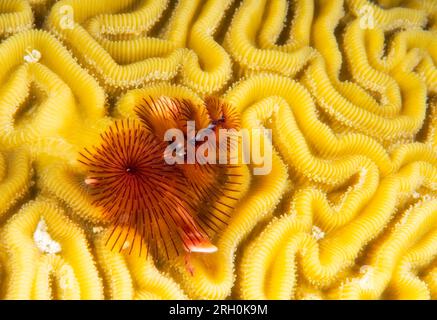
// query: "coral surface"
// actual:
[[347, 88]]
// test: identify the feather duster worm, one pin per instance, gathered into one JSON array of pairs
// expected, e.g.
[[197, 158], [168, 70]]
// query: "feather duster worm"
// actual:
[[150, 203]]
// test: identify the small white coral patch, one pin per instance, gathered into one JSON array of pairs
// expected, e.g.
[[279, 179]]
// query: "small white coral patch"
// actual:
[[317, 233], [32, 56], [43, 240]]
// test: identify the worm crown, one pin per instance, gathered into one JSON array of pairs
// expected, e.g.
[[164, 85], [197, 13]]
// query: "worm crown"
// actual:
[[150, 204]]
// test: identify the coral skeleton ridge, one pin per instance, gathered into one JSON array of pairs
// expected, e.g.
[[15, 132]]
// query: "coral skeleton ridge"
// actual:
[[348, 89]]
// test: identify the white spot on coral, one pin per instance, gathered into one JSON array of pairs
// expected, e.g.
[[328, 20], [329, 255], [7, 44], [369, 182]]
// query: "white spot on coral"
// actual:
[[317, 233], [32, 56], [366, 281], [97, 229], [65, 277], [43, 240], [416, 195], [66, 13], [362, 178]]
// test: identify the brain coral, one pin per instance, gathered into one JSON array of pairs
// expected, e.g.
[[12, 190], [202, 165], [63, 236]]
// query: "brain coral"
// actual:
[[348, 89]]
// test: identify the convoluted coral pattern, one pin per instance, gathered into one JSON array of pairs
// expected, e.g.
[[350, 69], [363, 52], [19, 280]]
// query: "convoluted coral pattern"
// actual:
[[348, 88]]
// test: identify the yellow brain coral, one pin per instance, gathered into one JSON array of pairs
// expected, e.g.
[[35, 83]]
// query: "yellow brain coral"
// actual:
[[347, 88]]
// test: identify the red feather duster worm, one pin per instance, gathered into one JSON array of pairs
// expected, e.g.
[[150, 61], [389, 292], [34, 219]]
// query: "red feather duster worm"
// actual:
[[152, 205]]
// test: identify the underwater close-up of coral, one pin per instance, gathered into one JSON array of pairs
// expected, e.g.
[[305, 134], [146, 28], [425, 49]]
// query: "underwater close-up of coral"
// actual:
[[339, 98]]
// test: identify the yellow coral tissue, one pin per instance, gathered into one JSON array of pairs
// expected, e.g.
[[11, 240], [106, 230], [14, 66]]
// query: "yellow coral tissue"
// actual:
[[218, 149]]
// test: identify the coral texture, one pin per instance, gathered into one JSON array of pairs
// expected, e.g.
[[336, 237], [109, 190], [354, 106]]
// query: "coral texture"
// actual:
[[348, 89]]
